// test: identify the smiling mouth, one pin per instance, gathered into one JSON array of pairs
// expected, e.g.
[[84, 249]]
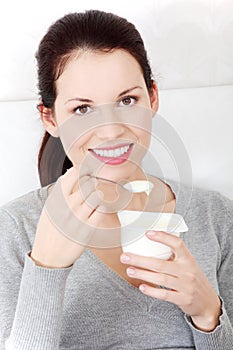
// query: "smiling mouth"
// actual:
[[112, 155]]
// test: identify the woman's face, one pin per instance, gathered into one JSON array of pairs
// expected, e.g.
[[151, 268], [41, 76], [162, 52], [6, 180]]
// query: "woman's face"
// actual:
[[103, 79]]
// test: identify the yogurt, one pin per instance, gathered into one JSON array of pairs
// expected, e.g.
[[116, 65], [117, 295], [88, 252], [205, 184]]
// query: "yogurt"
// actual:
[[134, 225], [139, 186]]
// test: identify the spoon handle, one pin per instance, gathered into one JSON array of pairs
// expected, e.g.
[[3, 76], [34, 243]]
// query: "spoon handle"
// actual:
[[102, 178]]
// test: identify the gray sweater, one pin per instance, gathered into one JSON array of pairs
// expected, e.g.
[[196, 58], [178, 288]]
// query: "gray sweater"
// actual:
[[89, 306]]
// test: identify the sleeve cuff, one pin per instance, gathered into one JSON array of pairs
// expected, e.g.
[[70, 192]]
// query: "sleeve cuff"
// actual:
[[219, 338], [28, 255], [188, 319]]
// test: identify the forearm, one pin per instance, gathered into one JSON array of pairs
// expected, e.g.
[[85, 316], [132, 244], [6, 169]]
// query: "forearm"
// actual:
[[37, 321]]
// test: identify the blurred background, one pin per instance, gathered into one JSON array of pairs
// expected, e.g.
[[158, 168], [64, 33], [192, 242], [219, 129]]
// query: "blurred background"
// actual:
[[190, 47]]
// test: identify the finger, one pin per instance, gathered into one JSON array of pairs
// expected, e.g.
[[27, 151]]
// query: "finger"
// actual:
[[93, 201], [73, 177], [153, 264], [175, 243], [88, 183], [85, 188], [116, 204], [163, 294], [95, 218], [83, 179], [68, 181], [78, 183], [84, 210], [155, 278], [85, 199]]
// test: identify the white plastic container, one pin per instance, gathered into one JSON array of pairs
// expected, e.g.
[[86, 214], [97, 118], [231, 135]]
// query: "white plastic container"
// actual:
[[136, 223]]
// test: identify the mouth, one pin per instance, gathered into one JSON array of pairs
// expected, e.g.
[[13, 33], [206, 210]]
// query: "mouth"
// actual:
[[113, 155]]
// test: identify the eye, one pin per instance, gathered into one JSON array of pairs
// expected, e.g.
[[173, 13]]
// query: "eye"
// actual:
[[83, 109], [129, 100]]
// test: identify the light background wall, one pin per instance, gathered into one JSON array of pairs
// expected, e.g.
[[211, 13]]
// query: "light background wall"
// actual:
[[190, 46]]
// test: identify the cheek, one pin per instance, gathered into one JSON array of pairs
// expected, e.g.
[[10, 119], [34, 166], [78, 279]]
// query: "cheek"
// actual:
[[76, 131], [142, 145], [143, 136], [79, 148]]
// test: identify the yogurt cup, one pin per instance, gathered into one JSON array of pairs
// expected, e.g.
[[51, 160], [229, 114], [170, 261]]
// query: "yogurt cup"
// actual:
[[134, 225]]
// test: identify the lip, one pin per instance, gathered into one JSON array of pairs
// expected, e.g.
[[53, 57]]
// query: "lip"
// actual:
[[116, 160]]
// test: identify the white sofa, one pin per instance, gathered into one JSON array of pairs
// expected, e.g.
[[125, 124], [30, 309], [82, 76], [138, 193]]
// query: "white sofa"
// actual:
[[190, 45]]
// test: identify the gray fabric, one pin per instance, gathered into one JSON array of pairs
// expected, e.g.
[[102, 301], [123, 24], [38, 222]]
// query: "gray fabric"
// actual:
[[89, 306]]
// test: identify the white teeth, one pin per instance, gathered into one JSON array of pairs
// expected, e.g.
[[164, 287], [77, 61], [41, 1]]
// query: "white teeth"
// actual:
[[113, 153], [118, 152]]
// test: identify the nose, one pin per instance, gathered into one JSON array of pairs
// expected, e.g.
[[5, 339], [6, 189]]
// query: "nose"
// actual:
[[110, 131], [110, 127]]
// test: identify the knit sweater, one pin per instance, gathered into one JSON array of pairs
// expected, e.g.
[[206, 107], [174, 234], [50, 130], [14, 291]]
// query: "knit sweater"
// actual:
[[89, 306]]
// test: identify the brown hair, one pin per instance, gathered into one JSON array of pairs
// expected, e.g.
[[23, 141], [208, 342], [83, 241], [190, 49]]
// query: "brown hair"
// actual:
[[90, 30]]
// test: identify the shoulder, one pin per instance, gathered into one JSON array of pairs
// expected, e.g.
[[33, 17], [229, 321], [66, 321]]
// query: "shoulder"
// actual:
[[212, 203], [204, 206], [24, 205], [203, 199], [213, 211], [18, 221]]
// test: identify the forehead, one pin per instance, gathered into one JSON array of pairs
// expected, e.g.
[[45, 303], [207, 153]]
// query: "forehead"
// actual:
[[99, 73]]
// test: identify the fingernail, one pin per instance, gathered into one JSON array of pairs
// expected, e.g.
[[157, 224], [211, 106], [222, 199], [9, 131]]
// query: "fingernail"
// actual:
[[151, 233], [125, 258], [142, 288], [131, 271]]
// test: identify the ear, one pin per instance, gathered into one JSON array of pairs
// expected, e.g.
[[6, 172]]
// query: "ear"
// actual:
[[48, 121], [154, 98]]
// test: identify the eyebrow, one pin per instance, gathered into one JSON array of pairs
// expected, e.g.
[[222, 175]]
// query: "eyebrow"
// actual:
[[90, 101]]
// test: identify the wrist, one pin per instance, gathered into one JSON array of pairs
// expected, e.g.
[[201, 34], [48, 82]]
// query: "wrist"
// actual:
[[46, 263], [209, 322]]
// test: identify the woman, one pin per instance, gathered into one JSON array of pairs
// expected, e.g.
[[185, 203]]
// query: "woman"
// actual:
[[61, 293]]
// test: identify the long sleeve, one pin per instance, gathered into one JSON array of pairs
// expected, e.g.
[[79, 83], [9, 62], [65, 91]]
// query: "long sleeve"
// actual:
[[31, 297], [221, 338]]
